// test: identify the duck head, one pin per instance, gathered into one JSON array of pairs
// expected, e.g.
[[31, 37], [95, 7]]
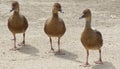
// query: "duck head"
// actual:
[[86, 14], [57, 8], [15, 6]]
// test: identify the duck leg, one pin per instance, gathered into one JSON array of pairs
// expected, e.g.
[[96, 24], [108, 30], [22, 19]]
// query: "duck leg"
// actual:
[[23, 42], [51, 50], [59, 51], [100, 59], [15, 48], [23, 39], [87, 64], [59, 44]]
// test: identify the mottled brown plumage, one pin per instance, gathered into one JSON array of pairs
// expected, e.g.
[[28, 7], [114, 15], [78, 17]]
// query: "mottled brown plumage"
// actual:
[[90, 38], [17, 23], [54, 26]]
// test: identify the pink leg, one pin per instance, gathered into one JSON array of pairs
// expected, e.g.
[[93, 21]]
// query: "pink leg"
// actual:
[[22, 43], [86, 64], [51, 50], [59, 51], [15, 48], [100, 60]]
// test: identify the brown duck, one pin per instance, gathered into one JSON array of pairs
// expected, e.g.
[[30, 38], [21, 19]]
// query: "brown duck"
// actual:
[[17, 23], [54, 26], [90, 38]]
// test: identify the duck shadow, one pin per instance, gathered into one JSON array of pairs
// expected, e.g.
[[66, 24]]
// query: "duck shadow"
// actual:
[[28, 49], [68, 56], [105, 65]]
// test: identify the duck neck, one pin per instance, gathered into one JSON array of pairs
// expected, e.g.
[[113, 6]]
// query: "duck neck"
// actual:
[[16, 12], [55, 15], [88, 22]]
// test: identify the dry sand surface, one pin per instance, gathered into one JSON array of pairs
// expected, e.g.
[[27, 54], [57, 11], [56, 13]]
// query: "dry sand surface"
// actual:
[[105, 18]]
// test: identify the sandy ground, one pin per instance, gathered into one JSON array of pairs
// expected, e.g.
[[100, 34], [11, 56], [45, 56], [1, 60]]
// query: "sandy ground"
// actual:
[[105, 18]]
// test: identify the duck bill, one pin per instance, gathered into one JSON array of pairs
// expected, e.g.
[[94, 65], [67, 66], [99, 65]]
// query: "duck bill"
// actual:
[[81, 17], [11, 10], [61, 11]]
